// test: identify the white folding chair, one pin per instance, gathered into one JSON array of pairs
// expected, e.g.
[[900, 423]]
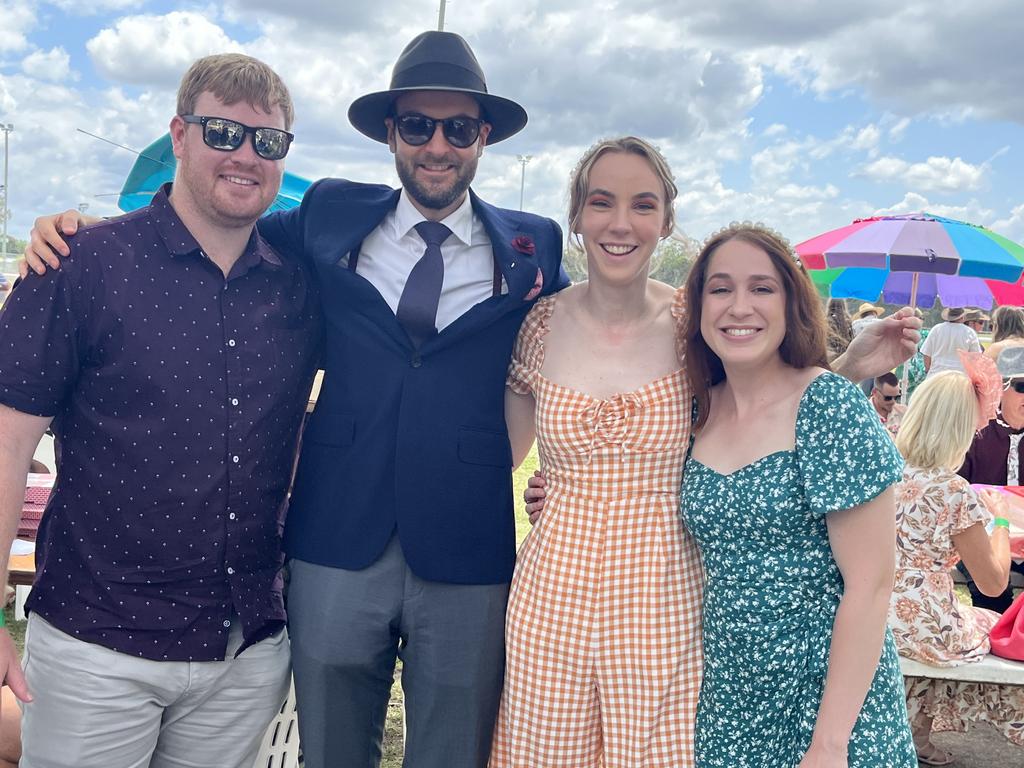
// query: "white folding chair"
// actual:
[[280, 747]]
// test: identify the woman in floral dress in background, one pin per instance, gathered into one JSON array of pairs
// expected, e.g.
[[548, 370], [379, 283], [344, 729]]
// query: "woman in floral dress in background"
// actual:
[[940, 519]]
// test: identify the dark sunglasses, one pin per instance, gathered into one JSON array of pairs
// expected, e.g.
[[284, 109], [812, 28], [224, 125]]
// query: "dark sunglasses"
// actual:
[[228, 135], [417, 130], [1016, 386], [890, 398]]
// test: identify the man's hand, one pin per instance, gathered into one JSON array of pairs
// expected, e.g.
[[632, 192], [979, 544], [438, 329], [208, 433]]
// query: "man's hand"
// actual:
[[880, 347], [10, 667], [534, 496], [46, 241]]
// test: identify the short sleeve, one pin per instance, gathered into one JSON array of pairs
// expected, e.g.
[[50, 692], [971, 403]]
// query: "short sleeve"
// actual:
[[528, 354], [844, 455], [679, 316], [964, 506], [929, 343], [40, 353]]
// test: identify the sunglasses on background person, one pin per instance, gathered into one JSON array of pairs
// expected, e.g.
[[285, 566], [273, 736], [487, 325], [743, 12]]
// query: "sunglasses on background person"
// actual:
[[1017, 385], [416, 130], [226, 135], [890, 398]]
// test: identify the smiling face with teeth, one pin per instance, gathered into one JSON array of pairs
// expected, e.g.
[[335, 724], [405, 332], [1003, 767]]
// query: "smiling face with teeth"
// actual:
[[743, 306], [436, 175], [229, 190], [622, 218]]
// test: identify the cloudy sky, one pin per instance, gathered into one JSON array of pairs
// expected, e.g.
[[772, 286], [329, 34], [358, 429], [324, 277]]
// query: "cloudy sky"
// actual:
[[797, 113]]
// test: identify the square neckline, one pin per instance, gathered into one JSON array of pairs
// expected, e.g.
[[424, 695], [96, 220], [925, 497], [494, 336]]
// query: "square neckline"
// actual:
[[548, 302], [779, 452]]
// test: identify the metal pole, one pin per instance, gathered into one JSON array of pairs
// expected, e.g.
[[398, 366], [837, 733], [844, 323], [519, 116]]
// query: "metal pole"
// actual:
[[523, 160], [7, 130], [906, 364], [440, 16]]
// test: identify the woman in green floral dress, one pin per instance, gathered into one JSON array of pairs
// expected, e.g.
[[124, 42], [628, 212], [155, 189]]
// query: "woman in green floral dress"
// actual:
[[788, 493]]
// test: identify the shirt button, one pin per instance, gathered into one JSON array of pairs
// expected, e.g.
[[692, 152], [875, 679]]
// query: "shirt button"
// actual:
[[231, 571], [234, 401], [227, 623], [231, 342], [416, 362], [231, 516], [235, 459]]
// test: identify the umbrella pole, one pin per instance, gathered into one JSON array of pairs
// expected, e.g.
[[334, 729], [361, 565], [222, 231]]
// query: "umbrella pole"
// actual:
[[906, 364]]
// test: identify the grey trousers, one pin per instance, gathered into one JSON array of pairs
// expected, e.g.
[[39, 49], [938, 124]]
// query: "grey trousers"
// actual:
[[347, 627], [96, 708]]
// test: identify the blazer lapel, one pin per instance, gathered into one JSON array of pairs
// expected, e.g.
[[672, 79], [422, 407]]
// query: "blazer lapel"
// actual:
[[359, 212]]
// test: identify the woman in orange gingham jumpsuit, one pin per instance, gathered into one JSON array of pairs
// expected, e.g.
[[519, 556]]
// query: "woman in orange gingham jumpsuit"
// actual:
[[603, 633]]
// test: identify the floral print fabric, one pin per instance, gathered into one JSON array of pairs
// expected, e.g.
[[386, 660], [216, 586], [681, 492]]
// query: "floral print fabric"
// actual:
[[929, 622], [773, 587]]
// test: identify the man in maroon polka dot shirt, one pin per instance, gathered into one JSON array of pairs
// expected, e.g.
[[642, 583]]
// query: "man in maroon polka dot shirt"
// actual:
[[171, 353]]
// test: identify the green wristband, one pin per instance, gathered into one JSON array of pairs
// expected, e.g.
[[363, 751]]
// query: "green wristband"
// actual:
[[1001, 522], [3, 620]]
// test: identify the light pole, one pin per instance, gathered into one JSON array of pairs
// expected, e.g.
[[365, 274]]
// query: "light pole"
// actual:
[[440, 16], [6, 128], [523, 160]]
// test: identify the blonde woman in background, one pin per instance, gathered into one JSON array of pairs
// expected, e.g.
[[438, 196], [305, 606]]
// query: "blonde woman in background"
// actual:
[[940, 520]]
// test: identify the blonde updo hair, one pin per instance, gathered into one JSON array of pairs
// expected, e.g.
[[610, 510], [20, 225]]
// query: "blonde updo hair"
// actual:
[[938, 428]]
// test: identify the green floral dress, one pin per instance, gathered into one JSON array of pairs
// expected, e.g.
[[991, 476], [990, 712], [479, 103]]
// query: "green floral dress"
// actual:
[[773, 588]]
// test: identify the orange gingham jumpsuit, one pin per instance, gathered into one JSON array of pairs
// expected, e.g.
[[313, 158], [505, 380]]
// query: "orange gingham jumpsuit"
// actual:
[[603, 632]]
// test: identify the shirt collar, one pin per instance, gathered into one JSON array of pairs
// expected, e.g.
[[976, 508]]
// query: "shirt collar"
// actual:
[[459, 221], [179, 241], [1003, 423]]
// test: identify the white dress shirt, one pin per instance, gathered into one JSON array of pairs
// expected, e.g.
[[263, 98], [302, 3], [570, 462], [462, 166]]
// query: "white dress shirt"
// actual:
[[390, 251]]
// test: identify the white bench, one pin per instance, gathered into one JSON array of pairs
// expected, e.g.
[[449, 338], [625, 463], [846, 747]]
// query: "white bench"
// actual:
[[991, 669]]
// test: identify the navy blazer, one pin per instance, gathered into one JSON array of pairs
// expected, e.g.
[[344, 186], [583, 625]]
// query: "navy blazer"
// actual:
[[408, 439]]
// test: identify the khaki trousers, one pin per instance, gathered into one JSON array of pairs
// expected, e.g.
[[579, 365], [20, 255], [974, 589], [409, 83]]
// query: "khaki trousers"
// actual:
[[97, 708]]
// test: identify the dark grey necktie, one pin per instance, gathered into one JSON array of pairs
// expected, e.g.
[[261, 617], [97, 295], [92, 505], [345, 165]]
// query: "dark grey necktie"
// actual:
[[417, 309]]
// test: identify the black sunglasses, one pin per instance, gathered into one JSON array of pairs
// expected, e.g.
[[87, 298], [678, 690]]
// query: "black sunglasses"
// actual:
[[890, 398], [1017, 386], [228, 135], [417, 130]]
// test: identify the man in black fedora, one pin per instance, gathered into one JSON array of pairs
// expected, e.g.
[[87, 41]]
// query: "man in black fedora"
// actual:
[[400, 528]]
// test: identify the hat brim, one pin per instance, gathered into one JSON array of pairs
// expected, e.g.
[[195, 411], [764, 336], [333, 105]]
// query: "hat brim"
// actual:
[[367, 113], [877, 312]]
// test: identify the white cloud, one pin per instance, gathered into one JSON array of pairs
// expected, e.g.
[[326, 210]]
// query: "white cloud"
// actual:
[[1012, 226], [898, 129], [935, 173], [972, 211], [156, 49], [18, 20], [54, 65]]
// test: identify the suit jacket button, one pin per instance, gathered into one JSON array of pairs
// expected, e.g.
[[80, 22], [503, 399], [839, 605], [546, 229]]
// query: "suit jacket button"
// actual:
[[416, 362]]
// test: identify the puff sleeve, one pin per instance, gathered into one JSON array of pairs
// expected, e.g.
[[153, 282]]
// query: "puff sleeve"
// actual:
[[528, 353], [844, 454]]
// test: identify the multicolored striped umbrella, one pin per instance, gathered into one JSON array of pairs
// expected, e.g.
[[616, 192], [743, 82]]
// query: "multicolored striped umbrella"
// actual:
[[914, 258]]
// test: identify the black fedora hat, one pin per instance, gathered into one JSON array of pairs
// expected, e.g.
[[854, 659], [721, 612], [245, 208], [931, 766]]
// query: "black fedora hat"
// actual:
[[437, 61]]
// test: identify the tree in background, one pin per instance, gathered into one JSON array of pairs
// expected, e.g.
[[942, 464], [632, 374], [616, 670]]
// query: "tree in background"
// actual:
[[670, 263]]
